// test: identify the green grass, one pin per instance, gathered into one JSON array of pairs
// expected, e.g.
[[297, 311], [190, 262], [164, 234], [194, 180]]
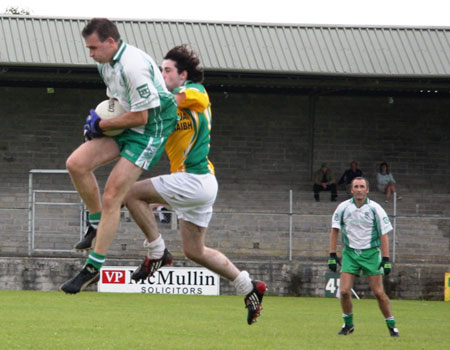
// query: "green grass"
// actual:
[[53, 320]]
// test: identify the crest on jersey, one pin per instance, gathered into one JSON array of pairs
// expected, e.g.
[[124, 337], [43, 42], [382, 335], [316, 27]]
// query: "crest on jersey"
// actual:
[[144, 91]]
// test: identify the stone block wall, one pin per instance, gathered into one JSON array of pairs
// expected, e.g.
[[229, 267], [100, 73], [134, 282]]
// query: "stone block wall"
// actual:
[[283, 278], [263, 145]]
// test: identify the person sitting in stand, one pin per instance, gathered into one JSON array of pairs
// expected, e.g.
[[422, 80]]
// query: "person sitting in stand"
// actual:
[[324, 181], [386, 182], [349, 175]]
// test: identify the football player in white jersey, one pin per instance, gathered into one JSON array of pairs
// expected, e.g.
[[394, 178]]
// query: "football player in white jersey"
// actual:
[[135, 81], [364, 226]]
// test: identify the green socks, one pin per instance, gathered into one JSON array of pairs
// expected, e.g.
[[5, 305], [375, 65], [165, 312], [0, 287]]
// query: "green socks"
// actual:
[[348, 319], [94, 219], [390, 322], [96, 260]]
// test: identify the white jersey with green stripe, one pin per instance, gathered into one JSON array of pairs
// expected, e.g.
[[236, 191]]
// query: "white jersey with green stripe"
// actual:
[[134, 79], [361, 227]]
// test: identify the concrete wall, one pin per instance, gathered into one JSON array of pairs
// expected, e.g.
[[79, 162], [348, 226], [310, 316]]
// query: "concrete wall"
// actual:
[[409, 134], [263, 145], [283, 278], [258, 140]]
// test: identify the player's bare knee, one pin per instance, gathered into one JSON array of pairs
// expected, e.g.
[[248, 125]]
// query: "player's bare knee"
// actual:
[[193, 254], [345, 293], [380, 294], [76, 166], [190, 254], [72, 165], [111, 199]]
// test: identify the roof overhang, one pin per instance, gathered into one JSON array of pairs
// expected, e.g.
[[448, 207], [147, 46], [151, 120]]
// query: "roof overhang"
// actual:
[[248, 81]]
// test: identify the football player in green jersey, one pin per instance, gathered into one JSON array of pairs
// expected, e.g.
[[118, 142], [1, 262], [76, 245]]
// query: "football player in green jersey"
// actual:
[[135, 81], [364, 226]]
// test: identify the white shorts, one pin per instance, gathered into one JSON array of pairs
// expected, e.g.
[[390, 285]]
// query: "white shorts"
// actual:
[[191, 196]]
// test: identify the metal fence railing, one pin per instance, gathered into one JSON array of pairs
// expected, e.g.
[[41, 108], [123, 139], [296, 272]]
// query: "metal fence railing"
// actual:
[[33, 203], [51, 195], [38, 197]]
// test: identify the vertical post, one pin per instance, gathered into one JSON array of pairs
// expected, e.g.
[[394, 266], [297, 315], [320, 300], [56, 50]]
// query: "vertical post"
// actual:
[[311, 119], [83, 223], [30, 200], [33, 218], [290, 224], [174, 221], [395, 227]]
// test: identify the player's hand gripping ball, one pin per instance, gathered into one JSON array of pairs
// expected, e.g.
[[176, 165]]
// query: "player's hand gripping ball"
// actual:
[[91, 128], [110, 109], [105, 110]]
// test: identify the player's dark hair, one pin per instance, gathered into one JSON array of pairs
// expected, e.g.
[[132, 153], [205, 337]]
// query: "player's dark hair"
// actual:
[[103, 27], [361, 178], [387, 167], [186, 60]]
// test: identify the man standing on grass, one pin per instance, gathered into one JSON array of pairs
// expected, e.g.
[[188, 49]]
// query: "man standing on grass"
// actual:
[[364, 225]]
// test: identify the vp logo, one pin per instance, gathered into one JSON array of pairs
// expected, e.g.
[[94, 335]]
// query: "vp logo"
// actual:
[[113, 276]]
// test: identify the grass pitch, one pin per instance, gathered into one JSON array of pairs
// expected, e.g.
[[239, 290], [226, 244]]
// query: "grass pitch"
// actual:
[[52, 320]]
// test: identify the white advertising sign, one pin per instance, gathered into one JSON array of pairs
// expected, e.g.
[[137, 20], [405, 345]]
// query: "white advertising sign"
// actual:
[[167, 280]]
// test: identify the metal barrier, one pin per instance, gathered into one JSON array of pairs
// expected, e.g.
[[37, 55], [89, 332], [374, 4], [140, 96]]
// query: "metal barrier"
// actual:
[[32, 203], [82, 208]]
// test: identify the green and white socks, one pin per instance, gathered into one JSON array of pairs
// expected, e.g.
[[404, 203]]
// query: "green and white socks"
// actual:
[[96, 260], [94, 219], [390, 322], [348, 319]]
